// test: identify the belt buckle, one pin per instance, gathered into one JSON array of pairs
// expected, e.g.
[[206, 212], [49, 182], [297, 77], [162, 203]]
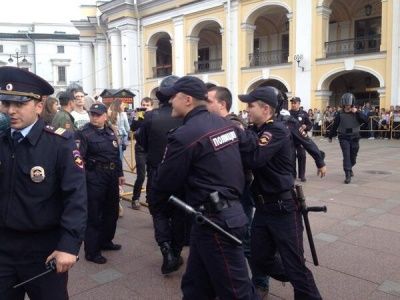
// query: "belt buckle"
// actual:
[[112, 166]]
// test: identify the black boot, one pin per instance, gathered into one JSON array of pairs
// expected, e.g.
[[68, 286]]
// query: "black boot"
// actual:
[[351, 173], [348, 177], [170, 262]]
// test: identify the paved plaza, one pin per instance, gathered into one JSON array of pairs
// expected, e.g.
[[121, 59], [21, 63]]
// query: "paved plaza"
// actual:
[[358, 240]]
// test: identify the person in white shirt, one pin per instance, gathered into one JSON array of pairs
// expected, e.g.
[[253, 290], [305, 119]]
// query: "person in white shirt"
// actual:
[[79, 113]]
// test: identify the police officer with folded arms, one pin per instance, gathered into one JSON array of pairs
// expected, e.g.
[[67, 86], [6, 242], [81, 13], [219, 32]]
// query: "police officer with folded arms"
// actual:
[[202, 157], [306, 125], [43, 205], [100, 151], [347, 125], [277, 225]]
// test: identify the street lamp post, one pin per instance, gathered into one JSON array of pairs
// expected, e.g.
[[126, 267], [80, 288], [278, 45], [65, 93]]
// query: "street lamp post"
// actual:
[[17, 55]]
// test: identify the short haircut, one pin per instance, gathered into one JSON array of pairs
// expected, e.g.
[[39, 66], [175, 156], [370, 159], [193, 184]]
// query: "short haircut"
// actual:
[[223, 94], [64, 98], [147, 100], [210, 85]]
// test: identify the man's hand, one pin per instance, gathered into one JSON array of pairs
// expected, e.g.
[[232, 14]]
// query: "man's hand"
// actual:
[[353, 110], [121, 180], [64, 260], [322, 171]]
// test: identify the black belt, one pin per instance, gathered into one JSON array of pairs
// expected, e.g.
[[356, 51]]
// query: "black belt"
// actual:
[[105, 166], [272, 198], [209, 208]]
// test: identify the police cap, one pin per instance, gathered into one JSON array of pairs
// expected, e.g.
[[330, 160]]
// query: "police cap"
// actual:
[[188, 85], [19, 85], [267, 94], [295, 99], [98, 108]]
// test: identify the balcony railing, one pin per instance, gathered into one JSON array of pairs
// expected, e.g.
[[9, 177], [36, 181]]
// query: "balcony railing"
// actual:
[[208, 65], [162, 70], [347, 47], [266, 58]]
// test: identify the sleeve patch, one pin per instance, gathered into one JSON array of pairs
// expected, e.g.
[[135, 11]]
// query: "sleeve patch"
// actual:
[[77, 159], [223, 139], [265, 138]]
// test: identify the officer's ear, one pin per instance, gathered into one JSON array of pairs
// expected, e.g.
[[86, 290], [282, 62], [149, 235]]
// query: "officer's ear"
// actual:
[[38, 106]]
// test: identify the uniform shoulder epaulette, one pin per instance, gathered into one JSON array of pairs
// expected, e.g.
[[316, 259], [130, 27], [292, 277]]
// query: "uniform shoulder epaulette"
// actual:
[[62, 132]]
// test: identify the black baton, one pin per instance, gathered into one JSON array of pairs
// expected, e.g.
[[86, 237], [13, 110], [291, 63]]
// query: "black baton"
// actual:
[[201, 219], [304, 212]]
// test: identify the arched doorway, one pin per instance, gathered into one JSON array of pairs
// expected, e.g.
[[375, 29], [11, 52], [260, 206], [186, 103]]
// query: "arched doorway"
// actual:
[[161, 55], [362, 84], [269, 82]]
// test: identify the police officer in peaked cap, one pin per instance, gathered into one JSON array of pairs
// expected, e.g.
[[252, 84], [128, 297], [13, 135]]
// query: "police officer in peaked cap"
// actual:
[[43, 203], [277, 225]]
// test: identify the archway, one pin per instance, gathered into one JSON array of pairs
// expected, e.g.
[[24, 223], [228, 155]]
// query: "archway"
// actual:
[[268, 82], [161, 54]]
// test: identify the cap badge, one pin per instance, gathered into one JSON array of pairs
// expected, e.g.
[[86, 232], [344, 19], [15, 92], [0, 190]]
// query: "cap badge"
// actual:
[[115, 144], [37, 174], [9, 87]]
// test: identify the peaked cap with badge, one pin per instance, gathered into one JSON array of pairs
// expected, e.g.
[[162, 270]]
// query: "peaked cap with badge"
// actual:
[[19, 85]]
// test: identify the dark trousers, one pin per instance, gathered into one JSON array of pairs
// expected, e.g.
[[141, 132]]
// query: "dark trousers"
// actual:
[[279, 229], [216, 267], [350, 147], [301, 161], [103, 205], [140, 158], [169, 221], [22, 256]]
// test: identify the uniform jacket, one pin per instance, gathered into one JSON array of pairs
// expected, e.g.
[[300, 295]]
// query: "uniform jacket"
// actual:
[[65, 120], [99, 146], [42, 185]]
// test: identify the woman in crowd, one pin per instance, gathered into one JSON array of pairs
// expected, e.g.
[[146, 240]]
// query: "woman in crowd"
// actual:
[[49, 110], [119, 119]]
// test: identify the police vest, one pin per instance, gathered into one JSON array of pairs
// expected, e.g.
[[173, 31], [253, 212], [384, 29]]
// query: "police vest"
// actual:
[[348, 124]]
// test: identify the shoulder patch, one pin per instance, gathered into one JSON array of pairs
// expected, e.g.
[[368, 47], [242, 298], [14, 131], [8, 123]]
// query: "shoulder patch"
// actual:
[[265, 138], [58, 131], [223, 139]]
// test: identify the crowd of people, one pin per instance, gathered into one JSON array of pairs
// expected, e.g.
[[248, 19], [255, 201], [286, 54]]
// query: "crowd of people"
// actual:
[[62, 168]]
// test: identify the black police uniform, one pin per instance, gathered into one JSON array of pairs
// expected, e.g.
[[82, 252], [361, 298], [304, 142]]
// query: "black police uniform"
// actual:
[[100, 152], [301, 137], [277, 224], [152, 136], [347, 126], [202, 157], [303, 119]]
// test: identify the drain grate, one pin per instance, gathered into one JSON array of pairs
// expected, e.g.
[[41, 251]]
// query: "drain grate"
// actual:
[[378, 172]]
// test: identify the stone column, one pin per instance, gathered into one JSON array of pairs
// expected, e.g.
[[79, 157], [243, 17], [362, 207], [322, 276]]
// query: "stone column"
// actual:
[[130, 57], [151, 61], [101, 66], [193, 52], [87, 66], [248, 43], [322, 99], [322, 30], [384, 25], [116, 61], [178, 48]]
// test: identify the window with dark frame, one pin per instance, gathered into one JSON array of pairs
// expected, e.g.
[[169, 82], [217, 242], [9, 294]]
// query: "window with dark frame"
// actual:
[[60, 49], [61, 74]]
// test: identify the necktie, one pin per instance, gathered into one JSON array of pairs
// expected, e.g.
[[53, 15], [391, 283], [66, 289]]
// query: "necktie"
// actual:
[[17, 137]]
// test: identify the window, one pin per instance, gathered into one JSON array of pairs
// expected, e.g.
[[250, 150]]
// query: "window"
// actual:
[[24, 49], [1, 49], [61, 75], [60, 49]]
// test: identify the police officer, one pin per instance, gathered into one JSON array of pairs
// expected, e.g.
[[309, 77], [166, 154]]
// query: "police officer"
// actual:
[[306, 125], [63, 117], [202, 156], [277, 225], [43, 205], [100, 152], [347, 125], [169, 222]]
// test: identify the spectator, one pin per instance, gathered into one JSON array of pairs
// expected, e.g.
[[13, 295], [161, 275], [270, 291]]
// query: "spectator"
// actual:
[[118, 118], [63, 118], [396, 122], [328, 119], [384, 120], [79, 113], [49, 110]]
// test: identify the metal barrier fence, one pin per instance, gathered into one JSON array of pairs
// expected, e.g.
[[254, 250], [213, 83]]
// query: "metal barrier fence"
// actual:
[[391, 130]]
